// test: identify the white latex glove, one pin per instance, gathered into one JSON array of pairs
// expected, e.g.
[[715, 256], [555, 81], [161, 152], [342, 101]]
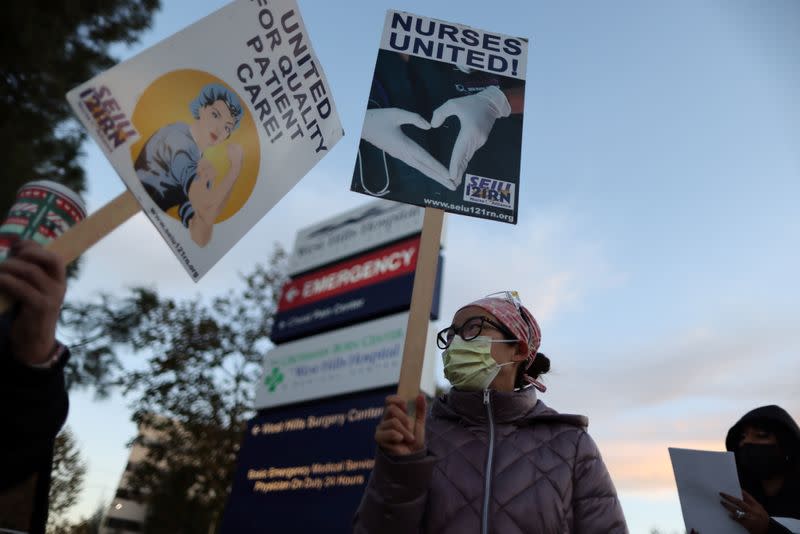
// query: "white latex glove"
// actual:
[[477, 114], [382, 129]]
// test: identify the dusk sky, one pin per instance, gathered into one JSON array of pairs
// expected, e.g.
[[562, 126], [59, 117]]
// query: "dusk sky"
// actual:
[[657, 242]]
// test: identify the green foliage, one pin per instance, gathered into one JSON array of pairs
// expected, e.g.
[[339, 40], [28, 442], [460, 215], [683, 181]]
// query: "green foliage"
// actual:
[[89, 525], [188, 514], [69, 471], [49, 48], [100, 327], [191, 383]]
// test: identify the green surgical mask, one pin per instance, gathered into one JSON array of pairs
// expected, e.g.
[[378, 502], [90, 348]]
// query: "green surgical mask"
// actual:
[[469, 365]]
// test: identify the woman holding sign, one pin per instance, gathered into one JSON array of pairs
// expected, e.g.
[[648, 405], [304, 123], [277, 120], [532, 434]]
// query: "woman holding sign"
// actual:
[[766, 442], [490, 456]]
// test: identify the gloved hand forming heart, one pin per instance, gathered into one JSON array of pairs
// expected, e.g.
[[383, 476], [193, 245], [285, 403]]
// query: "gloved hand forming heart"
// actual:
[[382, 129], [476, 114]]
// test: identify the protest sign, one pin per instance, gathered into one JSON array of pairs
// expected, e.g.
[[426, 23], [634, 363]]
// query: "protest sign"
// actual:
[[443, 126], [700, 476], [442, 130], [211, 127]]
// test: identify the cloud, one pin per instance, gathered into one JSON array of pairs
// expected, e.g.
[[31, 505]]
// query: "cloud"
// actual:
[[134, 254], [683, 389], [742, 361], [645, 466], [548, 259]]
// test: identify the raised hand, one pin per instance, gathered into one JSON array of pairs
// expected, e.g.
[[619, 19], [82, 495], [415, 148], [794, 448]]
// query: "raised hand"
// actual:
[[397, 433], [748, 512], [36, 279]]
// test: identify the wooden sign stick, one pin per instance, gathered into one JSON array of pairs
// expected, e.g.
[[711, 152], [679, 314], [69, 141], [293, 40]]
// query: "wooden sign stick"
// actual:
[[89, 231], [421, 301]]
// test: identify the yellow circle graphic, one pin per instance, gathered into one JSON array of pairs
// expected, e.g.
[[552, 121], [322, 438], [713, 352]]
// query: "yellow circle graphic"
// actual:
[[167, 101]]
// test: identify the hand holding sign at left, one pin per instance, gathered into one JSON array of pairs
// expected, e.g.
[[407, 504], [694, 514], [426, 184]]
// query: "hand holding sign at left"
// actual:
[[36, 279], [32, 393]]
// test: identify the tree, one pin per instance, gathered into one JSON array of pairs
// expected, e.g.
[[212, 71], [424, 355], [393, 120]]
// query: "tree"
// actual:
[[193, 393], [188, 516], [66, 483], [90, 525], [49, 48]]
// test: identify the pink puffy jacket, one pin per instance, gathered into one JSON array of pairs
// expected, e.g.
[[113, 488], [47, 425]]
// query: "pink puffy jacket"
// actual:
[[495, 463]]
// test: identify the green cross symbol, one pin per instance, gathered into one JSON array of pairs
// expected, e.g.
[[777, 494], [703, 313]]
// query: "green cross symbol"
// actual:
[[273, 379]]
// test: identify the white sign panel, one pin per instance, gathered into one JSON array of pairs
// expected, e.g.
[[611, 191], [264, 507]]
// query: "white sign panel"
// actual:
[[700, 476], [214, 125], [361, 357], [790, 523], [354, 231]]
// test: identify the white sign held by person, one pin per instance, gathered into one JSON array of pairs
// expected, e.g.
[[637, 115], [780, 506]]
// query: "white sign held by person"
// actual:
[[700, 476], [210, 128], [443, 127]]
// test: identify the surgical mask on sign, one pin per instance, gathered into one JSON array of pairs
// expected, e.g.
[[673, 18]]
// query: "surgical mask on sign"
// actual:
[[469, 365]]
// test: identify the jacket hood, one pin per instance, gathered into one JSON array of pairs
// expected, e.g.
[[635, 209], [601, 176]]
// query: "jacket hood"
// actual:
[[517, 407], [774, 418]]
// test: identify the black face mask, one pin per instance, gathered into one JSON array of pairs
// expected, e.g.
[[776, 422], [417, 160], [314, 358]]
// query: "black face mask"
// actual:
[[761, 461]]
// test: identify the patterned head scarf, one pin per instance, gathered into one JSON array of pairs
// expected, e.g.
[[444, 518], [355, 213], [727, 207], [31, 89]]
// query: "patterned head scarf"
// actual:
[[518, 320]]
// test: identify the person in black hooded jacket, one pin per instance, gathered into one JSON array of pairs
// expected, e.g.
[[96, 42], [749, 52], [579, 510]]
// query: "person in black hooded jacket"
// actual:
[[766, 442], [33, 399]]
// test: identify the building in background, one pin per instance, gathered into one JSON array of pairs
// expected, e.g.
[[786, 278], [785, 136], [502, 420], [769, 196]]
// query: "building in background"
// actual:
[[127, 511]]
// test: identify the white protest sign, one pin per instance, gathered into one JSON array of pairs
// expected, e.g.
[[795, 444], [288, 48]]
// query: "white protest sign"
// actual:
[[211, 127], [357, 358], [790, 523], [700, 476]]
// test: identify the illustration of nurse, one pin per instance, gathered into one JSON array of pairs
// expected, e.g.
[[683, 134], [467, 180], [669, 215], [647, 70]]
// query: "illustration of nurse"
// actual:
[[173, 171]]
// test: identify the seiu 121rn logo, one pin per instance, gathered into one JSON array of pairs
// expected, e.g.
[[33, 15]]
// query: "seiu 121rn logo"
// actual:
[[113, 127], [489, 192]]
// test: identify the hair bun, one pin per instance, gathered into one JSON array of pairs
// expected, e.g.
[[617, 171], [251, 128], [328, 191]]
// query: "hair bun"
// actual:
[[540, 365]]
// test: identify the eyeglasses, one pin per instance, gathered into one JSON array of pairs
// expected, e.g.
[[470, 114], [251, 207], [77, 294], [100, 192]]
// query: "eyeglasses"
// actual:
[[469, 330]]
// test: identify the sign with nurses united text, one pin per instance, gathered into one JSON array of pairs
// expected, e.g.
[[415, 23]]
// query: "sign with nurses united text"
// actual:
[[210, 128], [443, 125]]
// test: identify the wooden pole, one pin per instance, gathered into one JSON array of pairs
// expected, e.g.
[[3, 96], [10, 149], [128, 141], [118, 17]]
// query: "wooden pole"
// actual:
[[421, 301], [89, 231], [95, 227]]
